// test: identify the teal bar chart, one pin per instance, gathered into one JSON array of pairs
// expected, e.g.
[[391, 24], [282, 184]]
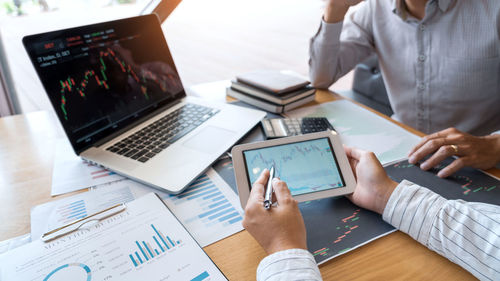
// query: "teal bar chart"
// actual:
[[157, 245]]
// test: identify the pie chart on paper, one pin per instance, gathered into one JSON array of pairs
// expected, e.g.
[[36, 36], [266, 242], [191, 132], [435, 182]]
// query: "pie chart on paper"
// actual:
[[70, 271]]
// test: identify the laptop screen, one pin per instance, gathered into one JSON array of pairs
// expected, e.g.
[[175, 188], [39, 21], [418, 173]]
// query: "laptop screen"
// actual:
[[102, 77]]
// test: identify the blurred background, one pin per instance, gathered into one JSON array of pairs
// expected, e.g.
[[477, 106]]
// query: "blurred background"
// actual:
[[209, 40]]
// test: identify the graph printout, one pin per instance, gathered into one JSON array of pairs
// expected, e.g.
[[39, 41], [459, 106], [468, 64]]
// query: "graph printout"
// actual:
[[208, 208], [144, 242], [54, 214], [306, 167], [336, 226], [467, 184], [361, 128], [71, 173]]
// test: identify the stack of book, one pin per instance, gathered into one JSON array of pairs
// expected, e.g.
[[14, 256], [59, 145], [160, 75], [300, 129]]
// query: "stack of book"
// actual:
[[273, 91]]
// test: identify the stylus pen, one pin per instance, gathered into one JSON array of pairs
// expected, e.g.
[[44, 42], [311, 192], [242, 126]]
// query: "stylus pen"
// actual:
[[269, 191]]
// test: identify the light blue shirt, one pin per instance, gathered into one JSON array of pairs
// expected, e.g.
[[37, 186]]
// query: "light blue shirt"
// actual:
[[440, 72]]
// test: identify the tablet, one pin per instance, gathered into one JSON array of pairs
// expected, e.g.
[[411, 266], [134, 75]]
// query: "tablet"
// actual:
[[314, 166]]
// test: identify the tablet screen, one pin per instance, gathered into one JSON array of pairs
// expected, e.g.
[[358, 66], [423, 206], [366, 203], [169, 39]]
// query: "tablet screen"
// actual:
[[306, 167]]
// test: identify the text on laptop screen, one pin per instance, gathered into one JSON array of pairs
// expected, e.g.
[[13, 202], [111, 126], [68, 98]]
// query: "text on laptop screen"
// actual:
[[102, 77]]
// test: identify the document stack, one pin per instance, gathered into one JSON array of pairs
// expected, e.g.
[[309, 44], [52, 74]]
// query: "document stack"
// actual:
[[270, 90]]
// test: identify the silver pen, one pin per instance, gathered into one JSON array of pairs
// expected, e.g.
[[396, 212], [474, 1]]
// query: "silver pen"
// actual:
[[269, 191]]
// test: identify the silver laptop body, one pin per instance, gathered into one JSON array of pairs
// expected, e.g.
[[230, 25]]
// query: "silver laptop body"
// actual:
[[115, 89]]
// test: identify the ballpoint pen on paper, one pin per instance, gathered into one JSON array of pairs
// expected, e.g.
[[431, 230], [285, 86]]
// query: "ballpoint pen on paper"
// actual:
[[269, 190], [66, 229]]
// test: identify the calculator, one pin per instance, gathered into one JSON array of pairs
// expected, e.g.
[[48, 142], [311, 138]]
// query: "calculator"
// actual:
[[286, 127]]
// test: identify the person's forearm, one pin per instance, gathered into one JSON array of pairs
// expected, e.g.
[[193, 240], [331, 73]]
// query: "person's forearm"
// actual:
[[494, 140], [293, 264], [335, 13], [331, 57], [465, 233]]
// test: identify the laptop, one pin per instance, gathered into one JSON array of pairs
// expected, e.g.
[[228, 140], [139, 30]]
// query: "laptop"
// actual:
[[116, 91]]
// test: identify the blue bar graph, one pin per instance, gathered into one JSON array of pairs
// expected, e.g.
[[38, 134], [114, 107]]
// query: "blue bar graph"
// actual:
[[133, 261], [142, 251], [170, 241], [224, 218], [218, 203], [235, 220], [214, 210], [71, 212], [201, 277], [220, 213], [218, 198], [138, 257], [152, 250], [212, 195], [158, 243], [207, 203], [147, 248]]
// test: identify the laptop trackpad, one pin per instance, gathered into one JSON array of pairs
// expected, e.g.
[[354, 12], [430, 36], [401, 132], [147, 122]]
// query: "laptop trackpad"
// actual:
[[209, 139]]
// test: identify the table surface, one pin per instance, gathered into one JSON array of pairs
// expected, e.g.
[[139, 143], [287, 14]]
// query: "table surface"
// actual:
[[26, 161]]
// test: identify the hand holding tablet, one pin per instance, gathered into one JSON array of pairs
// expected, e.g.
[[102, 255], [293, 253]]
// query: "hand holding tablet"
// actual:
[[314, 166]]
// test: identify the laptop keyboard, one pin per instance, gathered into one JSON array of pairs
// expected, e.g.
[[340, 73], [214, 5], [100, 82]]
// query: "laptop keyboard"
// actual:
[[152, 139]]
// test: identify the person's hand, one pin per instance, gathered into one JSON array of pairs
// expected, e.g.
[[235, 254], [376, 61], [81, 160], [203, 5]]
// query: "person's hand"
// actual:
[[336, 9], [472, 151], [374, 187], [279, 228]]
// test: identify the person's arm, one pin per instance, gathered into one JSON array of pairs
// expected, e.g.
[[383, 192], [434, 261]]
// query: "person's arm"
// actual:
[[477, 152], [468, 234], [333, 54], [281, 232], [465, 233]]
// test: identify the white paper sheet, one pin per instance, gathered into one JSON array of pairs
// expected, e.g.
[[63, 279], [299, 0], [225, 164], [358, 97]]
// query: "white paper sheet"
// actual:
[[208, 208], [144, 242], [58, 213], [361, 128], [72, 173], [15, 242]]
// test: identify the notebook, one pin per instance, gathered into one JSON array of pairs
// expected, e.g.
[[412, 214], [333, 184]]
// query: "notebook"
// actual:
[[273, 80]]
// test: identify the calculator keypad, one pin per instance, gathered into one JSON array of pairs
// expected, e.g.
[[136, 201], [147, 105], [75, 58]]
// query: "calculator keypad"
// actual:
[[285, 127]]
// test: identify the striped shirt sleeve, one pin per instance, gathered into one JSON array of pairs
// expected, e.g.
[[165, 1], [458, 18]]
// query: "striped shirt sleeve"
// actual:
[[466, 233], [293, 264]]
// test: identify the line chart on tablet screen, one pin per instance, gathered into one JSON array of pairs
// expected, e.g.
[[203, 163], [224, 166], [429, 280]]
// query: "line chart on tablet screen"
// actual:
[[305, 166]]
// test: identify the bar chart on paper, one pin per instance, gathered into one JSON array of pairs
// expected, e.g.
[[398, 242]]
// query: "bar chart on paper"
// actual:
[[143, 242], [71, 211], [208, 208], [55, 214], [148, 250]]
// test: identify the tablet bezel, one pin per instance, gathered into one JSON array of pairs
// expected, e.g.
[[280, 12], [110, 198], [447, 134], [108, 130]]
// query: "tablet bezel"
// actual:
[[242, 179]]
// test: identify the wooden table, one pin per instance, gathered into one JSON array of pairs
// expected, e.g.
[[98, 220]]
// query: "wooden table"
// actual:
[[26, 160]]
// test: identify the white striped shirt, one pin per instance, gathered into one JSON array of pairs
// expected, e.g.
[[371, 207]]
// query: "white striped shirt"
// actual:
[[466, 233]]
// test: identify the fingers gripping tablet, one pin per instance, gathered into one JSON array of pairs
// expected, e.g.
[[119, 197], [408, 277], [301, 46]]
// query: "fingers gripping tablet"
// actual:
[[314, 166]]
